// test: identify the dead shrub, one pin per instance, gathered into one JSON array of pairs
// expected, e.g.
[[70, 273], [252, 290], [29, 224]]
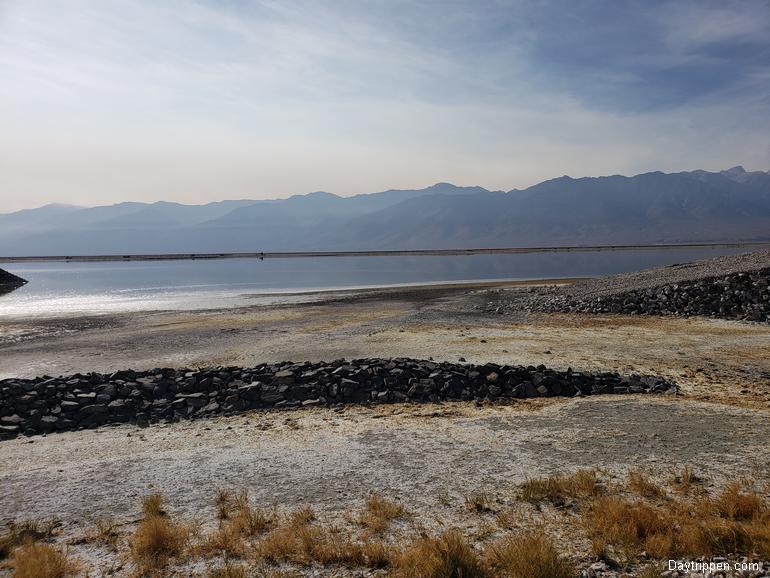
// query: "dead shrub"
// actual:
[[641, 484], [530, 555], [18, 533], [559, 489], [612, 521], [36, 560], [736, 505], [379, 512], [445, 556], [229, 570], [223, 502], [157, 539], [152, 505], [685, 481], [478, 502], [302, 516], [298, 541]]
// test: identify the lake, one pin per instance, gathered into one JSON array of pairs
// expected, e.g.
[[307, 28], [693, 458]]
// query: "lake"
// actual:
[[60, 288]]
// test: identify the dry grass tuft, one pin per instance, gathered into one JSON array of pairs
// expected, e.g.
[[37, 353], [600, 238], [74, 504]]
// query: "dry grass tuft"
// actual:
[[478, 502], [736, 505], [229, 570], [445, 556], [686, 480], [35, 560], [641, 484], [732, 523], [223, 502], [18, 533], [152, 506], [530, 555], [559, 489], [299, 541], [613, 521], [157, 539], [302, 516], [238, 521], [379, 512]]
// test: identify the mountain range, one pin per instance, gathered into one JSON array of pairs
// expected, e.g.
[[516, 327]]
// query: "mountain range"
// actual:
[[656, 207]]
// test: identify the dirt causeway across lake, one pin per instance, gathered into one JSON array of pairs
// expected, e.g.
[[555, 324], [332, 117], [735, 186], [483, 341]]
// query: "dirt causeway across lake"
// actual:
[[448, 465]]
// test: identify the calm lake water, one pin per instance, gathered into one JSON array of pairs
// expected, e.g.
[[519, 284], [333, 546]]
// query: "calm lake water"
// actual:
[[73, 288]]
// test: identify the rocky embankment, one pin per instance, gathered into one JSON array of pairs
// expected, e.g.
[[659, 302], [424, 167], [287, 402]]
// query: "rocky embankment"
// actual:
[[34, 406], [743, 296], [10, 281], [731, 287]]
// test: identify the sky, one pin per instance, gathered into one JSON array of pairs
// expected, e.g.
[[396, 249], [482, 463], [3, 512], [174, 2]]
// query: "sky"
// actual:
[[103, 101]]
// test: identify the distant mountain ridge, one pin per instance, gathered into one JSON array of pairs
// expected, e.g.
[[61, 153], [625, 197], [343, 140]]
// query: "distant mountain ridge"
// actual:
[[656, 207]]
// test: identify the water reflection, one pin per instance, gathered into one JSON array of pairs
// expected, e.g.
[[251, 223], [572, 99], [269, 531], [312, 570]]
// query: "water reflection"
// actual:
[[133, 286]]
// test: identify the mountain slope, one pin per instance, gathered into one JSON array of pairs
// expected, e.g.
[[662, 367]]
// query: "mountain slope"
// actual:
[[696, 206]]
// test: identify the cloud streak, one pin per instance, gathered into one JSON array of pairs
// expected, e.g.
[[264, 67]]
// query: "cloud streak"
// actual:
[[193, 101]]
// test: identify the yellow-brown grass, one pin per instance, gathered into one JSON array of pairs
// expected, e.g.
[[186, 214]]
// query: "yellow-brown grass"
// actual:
[[445, 556], [559, 489], [104, 533], [641, 484], [706, 527], [737, 505], [229, 570], [153, 505], [37, 560], [530, 555], [18, 533], [157, 539], [613, 521], [685, 481], [239, 521], [379, 512], [223, 502], [302, 516], [478, 502], [298, 541]]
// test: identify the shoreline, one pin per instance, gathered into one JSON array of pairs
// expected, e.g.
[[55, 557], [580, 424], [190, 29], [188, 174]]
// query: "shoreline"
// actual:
[[394, 253]]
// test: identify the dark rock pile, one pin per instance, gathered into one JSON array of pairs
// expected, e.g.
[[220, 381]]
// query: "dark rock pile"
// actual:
[[737, 296], [41, 405], [10, 281]]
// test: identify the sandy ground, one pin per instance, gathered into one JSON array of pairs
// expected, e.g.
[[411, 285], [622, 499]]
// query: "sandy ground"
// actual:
[[728, 361], [428, 456], [333, 460]]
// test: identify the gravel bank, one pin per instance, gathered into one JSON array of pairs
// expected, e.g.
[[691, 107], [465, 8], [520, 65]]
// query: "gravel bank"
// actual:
[[87, 401], [732, 287]]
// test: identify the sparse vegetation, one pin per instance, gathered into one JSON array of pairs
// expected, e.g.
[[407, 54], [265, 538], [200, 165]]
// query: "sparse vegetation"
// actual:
[[621, 520], [445, 556], [152, 506], [38, 560], [379, 512], [20, 533], [157, 539], [685, 480], [478, 502], [530, 555], [642, 485], [559, 489], [229, 570]]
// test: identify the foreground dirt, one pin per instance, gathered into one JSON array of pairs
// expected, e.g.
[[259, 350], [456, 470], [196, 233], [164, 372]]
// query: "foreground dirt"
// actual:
[[429, 458]]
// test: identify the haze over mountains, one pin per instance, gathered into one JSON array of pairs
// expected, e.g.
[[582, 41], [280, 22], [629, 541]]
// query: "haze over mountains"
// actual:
[[696, 206]]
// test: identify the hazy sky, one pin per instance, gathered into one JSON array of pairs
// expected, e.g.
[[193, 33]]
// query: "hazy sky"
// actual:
[[109, 100]]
